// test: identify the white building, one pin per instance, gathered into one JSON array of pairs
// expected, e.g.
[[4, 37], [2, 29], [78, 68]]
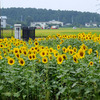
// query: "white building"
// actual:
[[53, 22], [90, 24], [3, 21], [87, 24], [94, 25], [38, 24], [45, 24]]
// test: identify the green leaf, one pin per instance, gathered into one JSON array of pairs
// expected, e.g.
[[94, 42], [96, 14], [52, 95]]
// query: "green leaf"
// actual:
[[23, 83], [1, 87], [61, 91], [8, 94], [11, 81], [16, 94], [24, 96], [74, 84]]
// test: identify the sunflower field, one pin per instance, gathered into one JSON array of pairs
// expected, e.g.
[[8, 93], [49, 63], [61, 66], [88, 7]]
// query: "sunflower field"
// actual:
[[58, 67]]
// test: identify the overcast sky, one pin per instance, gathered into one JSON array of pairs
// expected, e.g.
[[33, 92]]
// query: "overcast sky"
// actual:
[[76, 5]]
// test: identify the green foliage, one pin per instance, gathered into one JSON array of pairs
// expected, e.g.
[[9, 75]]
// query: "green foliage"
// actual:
[[51, 81]]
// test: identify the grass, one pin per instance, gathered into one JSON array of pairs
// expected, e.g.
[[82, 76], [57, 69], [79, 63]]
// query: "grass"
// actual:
[[46, 32]]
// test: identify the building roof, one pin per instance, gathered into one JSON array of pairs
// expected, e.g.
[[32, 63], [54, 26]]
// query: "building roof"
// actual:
[[3, 17]]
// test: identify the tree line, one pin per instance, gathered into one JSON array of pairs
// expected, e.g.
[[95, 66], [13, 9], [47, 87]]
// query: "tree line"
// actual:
[[27, 15]]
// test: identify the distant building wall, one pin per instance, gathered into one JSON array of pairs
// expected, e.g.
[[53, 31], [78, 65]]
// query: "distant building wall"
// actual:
[[45, 24], [90, 24], [3, 21]]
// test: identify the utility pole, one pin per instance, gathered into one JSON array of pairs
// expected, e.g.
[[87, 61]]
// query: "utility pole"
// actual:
[[21, 18], [72, 19]]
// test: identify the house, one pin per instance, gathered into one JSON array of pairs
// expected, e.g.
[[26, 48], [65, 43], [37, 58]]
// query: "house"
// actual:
[[90, 24], [38, 24], [94, 24], [87, 24], [53, 22], [3, 21], [45, 25]]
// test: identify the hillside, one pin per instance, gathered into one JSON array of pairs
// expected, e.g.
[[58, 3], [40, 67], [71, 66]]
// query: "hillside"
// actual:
[[27, 15]]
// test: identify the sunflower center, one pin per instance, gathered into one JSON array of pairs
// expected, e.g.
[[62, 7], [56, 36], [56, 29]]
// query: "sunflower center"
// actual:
[[33, 56], [43, 53], [25, 53], [81, 53], [44, 60], [64, 57], [17, 55], [11, 61], [16, 51], [60, 59], [75, 59], [21, 62], [30, 57]]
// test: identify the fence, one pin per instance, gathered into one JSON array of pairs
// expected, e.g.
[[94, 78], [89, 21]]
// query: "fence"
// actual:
[[6, 33], [25, 33]]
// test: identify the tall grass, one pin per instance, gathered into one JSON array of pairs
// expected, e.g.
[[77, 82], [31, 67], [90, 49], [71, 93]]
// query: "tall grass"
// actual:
[[61, 31]]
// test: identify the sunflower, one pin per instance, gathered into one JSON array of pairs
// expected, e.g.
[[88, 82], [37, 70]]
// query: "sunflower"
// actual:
[[0, 52], [84, 47], [77, 55], [38, 50], [21, 62], [64, 56], [51, 50], [8, 50], [20, 51], [96, 53], [33, 56], [29, 52], [58, 47], [67, 50], [71, 52], [43, 53], [25, 53], [62, 41], [30, 57], [32, 48], [64, 49], [39, 39], [47, 53], [44, 60], [16, 50], [1, 45], [50, 57], [11, 61], [1, 57], [69, 47], [81, 53], [17, 55], [56, 54], [59, 59], [91, 63], [42, 47], [36, 43], [46, 47], [6, 45], [75, 50], [34, 51], [89, 51], [30, 42], [75, 59]]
